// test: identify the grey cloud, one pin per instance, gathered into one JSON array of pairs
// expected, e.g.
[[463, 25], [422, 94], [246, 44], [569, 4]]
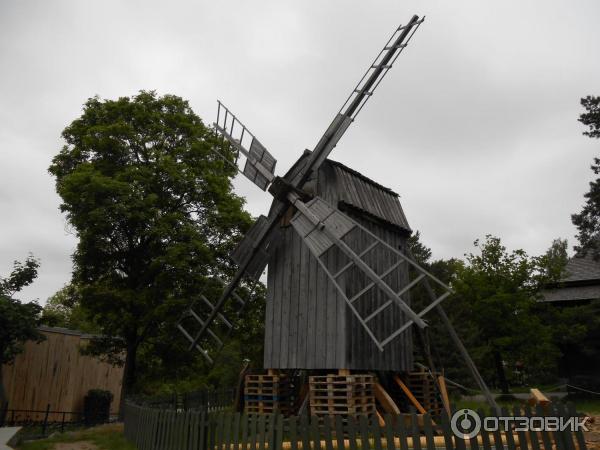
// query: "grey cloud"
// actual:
[[475, 127]]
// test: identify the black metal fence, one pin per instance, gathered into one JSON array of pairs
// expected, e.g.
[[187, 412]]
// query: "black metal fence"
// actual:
[[165, 429], [48, 420], [205, 400]]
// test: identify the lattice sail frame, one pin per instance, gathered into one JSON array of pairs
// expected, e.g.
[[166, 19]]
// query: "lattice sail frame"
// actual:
[[216, 332], [259, 164], [359, 272]]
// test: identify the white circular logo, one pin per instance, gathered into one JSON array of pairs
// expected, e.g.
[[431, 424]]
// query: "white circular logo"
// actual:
[[465, 423]]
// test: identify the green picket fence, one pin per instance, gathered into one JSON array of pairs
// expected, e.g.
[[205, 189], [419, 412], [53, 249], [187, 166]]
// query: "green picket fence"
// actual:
[[159, 429]]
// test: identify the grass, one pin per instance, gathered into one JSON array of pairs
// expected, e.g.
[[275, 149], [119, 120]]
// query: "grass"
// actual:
[[106, 437]]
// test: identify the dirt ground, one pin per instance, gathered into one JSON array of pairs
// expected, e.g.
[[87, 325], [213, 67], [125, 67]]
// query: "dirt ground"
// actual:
[[592, 437], [81, 445]]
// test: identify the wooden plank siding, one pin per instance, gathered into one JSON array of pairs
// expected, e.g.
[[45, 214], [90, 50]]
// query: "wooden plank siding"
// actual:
[[54, 372], [308, 324]]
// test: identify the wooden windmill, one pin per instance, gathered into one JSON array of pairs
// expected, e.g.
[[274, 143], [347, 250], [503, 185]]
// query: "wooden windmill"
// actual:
[[335, 242]]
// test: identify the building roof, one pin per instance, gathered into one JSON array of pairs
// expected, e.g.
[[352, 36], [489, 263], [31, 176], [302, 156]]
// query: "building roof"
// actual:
[[356, 191], [581, 281], [582, 268], [348, 189]]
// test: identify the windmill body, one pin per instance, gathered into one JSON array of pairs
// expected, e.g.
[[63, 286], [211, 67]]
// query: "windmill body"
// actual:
[[335, 242], [308, 324]]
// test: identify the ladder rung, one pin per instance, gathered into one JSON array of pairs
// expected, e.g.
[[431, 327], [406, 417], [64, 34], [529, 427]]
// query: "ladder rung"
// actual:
[[395, 46], [361, 292], [411, 284], [371, 284], [392, 336], [221, 316], [360, 91], [233, 294], [191, 339], [378, 310], [208, 330], [360, 255]]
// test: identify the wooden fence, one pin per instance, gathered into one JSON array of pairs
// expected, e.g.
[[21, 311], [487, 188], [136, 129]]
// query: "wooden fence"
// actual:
[[54, 372], [158, 429]]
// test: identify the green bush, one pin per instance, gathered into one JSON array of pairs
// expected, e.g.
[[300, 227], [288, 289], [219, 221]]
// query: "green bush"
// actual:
[[96, 406]]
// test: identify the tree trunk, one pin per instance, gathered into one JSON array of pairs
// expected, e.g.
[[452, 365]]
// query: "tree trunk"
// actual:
[[129, 374], [500, 372]]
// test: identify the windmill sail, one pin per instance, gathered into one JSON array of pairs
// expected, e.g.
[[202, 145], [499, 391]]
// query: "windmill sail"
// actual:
[[260, 164], [357, 276], [361, 93], [216, 332], [252, 255]]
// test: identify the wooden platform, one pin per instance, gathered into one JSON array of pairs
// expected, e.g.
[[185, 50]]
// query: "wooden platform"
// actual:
[[266, 394], [422, 385], [342, 395]]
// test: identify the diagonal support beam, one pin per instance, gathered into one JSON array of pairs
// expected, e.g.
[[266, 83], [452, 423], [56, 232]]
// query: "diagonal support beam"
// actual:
[[460, 346], [295, 200]]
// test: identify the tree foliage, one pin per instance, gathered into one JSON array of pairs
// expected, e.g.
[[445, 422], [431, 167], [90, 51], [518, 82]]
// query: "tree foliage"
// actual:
[[18, 321], [588, 220], [154, 213]]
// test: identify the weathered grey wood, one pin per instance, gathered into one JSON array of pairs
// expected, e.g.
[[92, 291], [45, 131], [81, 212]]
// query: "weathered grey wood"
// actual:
[[389, 432], [363, 424], [305, 432], [235, 431], [245, 427], [416, 435], [307, 323], [578, 434], [523, 444], [262, 431], [352, 432], [315, 433], [339, 431], [485, 436], [293, 424], [428, 427], [446, 431], [376, 433], [510, 440]]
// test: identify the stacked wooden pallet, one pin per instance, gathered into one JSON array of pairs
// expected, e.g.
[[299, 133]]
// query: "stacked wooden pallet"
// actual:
[[422, 385], [342, 394], [265, 394]]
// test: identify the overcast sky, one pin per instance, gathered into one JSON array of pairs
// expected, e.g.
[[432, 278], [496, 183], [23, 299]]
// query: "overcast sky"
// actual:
[[475, 126]]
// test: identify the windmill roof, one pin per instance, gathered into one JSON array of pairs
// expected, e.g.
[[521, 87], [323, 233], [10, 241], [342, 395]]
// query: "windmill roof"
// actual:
[[356, 191], [349, 189]]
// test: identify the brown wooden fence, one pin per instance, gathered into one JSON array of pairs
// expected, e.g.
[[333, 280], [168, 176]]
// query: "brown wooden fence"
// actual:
[[55, 373], [157, 429]]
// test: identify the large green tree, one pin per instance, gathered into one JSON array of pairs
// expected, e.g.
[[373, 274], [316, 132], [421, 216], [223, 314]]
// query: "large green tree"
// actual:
[[588, 220], [18, 321], [154, 213], [496, 293]]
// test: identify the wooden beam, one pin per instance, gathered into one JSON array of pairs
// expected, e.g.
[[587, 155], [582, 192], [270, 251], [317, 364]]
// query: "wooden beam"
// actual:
[[387, 403], [444, 392], [409, 394], [538, 398], [380, 419]]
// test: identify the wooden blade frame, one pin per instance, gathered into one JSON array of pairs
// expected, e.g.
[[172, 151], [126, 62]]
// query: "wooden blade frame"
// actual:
[[260, 164], [217, 331], [360, 95], [323, 227]]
